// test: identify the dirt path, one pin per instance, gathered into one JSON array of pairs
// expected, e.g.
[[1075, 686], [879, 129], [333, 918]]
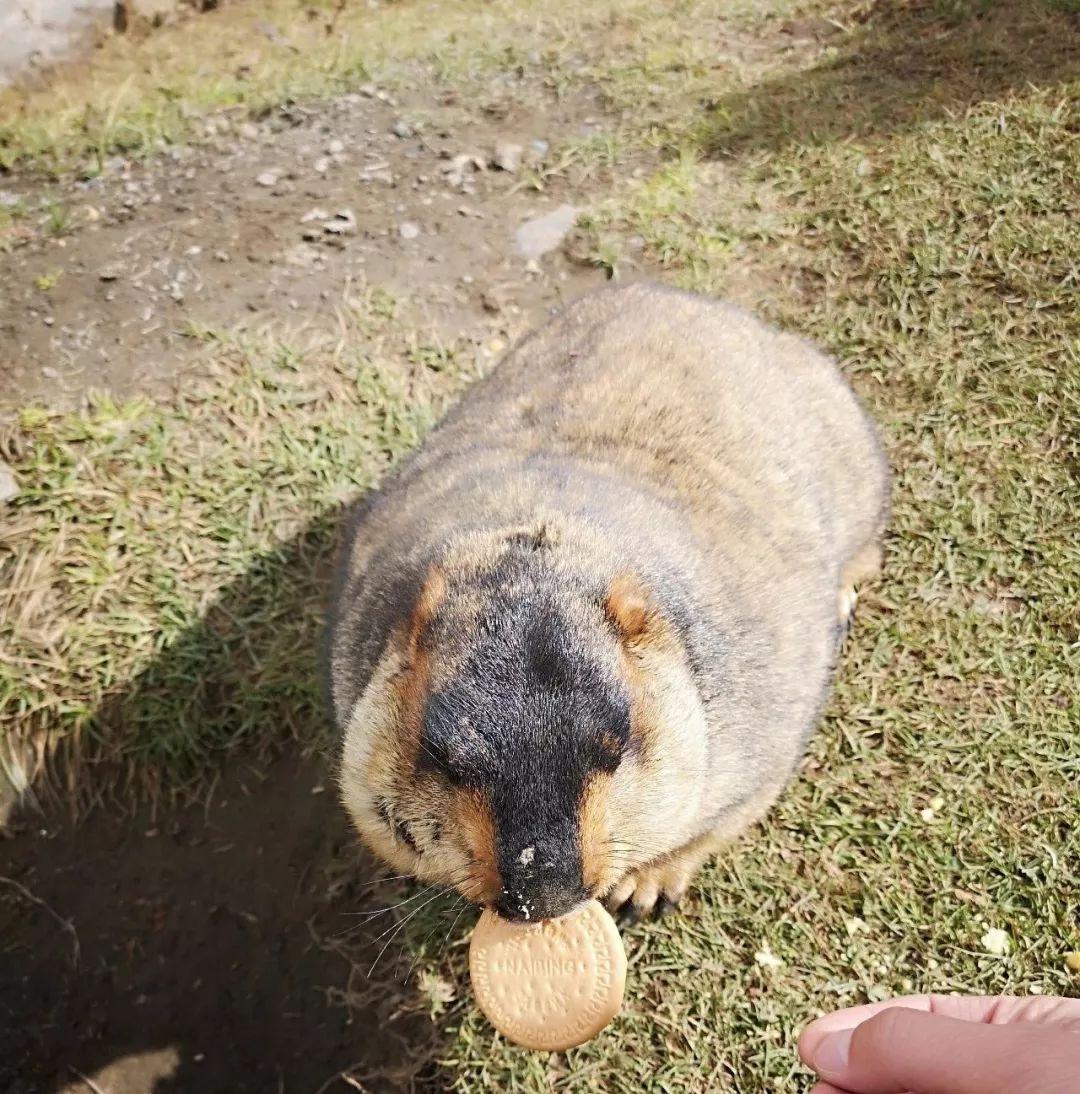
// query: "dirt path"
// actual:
[[269, 223]]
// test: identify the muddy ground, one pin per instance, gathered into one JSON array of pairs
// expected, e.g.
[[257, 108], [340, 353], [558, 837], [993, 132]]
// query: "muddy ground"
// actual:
[[205, 950]]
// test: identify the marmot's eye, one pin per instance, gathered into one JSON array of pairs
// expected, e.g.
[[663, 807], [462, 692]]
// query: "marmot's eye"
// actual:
[[402, 832], [399, 828]]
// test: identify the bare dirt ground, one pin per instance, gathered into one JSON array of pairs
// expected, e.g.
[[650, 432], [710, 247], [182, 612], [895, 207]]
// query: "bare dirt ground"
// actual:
[[269, 222]]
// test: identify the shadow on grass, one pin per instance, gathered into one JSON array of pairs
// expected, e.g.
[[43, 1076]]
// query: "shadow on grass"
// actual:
[[909, 61], [206, 947]]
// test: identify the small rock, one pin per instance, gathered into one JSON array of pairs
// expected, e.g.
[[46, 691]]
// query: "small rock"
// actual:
[[408, 230], [268, 178], [314, 214], [540, 148], [48, 321], [541, 235], [491, 300], [192, 252], [401, 129], [112, 272], [507, 157], [335, 148], [368, 91], [221, 256], [249, 131], [377, 172], [50, 373], [460, 166], [322, 165], [9, 485], [343, 222]]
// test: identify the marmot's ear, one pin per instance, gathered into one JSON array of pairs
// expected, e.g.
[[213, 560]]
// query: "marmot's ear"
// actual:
[[534, 537], [430, 600], [628, 608]]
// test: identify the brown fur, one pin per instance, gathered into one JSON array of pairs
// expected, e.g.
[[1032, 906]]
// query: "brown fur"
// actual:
[[471, 813], [598, 869], [659, 491]]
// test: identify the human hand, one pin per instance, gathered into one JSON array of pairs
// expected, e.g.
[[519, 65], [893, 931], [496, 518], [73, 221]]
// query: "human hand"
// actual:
[[944, 1044]]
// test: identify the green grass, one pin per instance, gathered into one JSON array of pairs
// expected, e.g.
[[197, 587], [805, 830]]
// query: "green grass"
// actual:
[[164, 565], [906, 195]]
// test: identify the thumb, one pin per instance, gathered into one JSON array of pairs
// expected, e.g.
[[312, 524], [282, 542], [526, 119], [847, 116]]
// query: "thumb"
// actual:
[[909, 1050]]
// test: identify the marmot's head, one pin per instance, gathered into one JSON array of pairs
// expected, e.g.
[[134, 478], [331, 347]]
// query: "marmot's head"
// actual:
[[529, 734]]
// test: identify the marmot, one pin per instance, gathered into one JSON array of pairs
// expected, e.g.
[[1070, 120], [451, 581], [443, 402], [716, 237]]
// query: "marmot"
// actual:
[[582, 634]]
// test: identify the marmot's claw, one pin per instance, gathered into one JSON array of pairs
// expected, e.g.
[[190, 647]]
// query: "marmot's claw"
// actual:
[[629, 914]]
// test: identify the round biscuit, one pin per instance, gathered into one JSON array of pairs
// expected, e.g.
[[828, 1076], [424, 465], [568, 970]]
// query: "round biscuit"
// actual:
[[549, 985]]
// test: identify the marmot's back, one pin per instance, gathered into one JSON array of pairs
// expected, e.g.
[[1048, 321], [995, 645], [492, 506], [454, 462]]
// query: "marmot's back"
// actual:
[[692, 396]]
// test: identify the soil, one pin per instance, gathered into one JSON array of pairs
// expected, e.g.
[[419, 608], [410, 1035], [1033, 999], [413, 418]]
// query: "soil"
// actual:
[[243, 230], [205, 950]]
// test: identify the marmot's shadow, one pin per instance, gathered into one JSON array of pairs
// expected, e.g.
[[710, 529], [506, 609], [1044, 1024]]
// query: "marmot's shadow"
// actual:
[[204, 933]]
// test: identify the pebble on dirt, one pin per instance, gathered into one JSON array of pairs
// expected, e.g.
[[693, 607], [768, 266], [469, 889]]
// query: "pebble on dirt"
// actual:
[[268, 178], [402, 129], [408, 230], [508, 157], [343, 222], [377, 172], [541, 235], [460, 166]]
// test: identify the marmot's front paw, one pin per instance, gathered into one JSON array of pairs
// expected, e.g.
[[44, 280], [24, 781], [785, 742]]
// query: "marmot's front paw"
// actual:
[[655, 889], [639, 894]]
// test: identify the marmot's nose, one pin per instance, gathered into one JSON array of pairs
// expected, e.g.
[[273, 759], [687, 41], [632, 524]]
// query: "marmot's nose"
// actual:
[[537, 902], [536, 887]]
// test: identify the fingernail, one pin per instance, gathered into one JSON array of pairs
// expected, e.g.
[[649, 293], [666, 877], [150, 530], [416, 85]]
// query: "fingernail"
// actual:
[[832, 1054]]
